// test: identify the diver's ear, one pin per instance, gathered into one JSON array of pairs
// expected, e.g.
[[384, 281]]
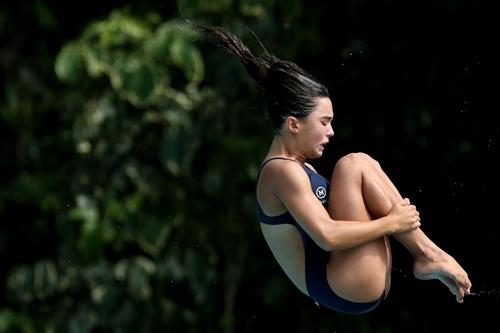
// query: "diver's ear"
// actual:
[[293, 124]]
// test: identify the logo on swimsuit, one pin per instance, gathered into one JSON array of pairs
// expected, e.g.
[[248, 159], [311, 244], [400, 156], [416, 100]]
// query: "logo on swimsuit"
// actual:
[[321, 192]]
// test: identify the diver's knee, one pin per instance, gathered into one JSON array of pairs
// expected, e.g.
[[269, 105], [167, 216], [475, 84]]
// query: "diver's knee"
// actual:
[[349, 160], [369, 158], [354, 160]]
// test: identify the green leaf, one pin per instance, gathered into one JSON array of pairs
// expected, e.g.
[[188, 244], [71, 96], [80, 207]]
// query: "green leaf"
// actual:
[[69, 64], [153, 236], [189, 59], [20, 282], [11, 321], [119, 30], [137, 81], [178, 148], [45, 279]]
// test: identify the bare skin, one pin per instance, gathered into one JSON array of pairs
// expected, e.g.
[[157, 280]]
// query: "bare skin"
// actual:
[[376, 197], [364, 209]]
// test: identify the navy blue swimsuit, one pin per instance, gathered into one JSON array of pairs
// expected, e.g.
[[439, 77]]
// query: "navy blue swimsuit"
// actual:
[[316, 259]]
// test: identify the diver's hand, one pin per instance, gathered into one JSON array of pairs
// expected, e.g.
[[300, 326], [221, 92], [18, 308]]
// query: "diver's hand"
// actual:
[[403, 217]]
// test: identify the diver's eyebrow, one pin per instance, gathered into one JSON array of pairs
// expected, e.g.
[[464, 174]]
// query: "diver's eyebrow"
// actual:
[[327, 117]]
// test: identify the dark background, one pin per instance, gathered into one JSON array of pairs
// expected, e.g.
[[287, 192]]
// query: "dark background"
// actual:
[[414, 84]]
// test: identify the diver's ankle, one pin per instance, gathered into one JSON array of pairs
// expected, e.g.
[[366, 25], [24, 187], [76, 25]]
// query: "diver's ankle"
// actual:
[[430, 254]]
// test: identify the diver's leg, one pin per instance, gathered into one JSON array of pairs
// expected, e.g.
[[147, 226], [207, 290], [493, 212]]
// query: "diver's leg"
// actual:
[[430, 261], [361, 273]]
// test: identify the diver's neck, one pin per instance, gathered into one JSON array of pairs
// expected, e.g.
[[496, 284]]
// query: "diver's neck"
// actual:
[[285, 148]]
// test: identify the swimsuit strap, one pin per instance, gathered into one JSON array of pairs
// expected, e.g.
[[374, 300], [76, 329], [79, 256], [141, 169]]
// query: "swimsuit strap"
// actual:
[[285, 218], [273, 158]]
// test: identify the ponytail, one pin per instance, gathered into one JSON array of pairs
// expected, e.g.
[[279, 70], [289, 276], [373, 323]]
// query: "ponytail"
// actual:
[[290, 91], [257, 67]]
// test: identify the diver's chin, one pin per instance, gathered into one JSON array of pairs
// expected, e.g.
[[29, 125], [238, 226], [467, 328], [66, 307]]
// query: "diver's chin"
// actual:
[[318, 153]]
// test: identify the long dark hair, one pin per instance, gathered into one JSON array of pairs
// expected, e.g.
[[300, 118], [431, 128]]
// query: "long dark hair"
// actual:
[[289, 90]]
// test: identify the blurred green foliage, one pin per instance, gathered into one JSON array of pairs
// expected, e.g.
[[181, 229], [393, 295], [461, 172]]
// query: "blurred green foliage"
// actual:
[[130, 148], [147, 204]]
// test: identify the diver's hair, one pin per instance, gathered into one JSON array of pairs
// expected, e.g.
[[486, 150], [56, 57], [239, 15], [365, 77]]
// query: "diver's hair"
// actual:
[[289, 90]]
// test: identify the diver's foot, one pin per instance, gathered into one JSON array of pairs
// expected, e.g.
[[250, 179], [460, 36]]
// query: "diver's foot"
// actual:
[[443, 267]]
